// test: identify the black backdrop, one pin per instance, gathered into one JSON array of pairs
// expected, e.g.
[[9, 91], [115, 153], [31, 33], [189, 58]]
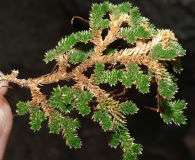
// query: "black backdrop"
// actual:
[[29, 28]]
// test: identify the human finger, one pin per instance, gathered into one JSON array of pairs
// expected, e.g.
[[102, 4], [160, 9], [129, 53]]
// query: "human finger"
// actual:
[[6, 121], [3, 90]]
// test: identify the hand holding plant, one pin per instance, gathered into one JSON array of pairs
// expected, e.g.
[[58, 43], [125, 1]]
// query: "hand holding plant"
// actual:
[[121, 49]]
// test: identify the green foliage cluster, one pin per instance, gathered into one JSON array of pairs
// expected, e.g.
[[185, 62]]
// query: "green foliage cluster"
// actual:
[[138, 66], [134, 75], [174, 50]]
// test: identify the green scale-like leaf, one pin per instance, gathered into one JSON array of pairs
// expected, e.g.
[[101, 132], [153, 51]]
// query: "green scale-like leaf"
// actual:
[[173, 111], [167, 88], [136, 76], [36, 115], [176, 65], [178, 48], [36, 118], [64, 100], [118, 10], [135, 17], [96, 17], [67, 43], [130, 149], [128, 34], [23, 108], [140, 32], [83, 36], [109, 51], [81, 104], [114, 140], [99, 67], [61, 99], [69, 128], [131, 34], [174, 50], [161, 54], [110, 77], [72, 140], [64, 45], [54, 124], [79, 55], [104, 118], [128, 108]]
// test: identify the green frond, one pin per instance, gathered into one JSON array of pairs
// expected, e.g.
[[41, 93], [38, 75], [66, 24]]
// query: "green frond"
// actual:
[[83, 36], [136, 149], [23, 108], [127, 34], [176, 65], [140, 32], [72, 139], [64, 45], [113, 76], [124, 7], [36, 115], [110, 77], [83, 109], [103, 24], [96, 17], [159, 53], [83, 96], [118, 10], [127, 108], [178, 48], [50, 55], [54, 124], [131, 34], [36, 118], [134, 75], [103, 117], [135, 17], [81, 104], [174, 50], [114, 140], [100, 9], [62, 98], [179, 105], [167, 88], [173, 111], [69, 128], [80, 55], [127, 79], [143, 83], [69, 123], [130, 149], [99, 68], [109, 51]]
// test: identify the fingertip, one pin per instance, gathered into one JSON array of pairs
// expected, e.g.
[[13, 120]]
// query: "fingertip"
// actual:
[[6, 117], [6, 122], [3, 90]]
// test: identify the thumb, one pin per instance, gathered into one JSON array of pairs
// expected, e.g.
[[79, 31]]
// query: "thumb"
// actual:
[[6, 120]]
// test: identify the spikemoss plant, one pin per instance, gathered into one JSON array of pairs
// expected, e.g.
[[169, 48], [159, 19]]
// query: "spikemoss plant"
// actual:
[[121, 48]]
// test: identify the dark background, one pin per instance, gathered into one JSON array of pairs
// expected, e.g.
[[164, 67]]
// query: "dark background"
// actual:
[[29, 28]]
